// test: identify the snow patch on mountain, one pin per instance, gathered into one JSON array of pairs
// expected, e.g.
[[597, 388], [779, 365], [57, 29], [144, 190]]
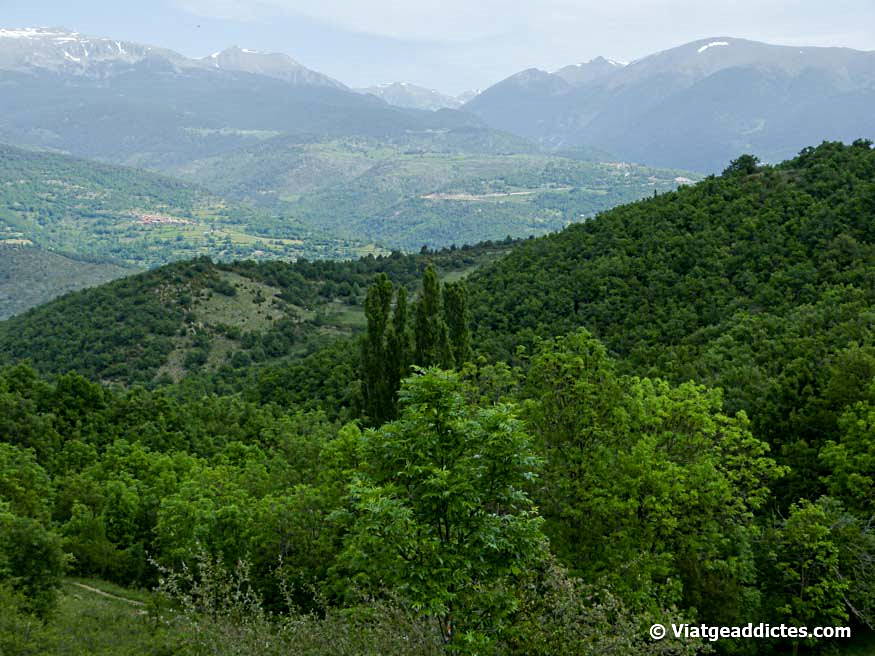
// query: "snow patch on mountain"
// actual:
[[713, 44]]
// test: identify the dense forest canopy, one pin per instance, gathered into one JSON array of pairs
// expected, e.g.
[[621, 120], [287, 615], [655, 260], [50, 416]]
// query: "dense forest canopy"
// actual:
[[666, 413]]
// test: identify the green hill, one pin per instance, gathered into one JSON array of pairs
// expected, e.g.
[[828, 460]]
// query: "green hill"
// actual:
[[702, 453], [197, 316], [438, 188], [31, 276], [760, 281], [138, 218]]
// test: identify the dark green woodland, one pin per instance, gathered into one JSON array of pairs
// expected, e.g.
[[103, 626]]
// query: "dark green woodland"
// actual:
[[664, 413]]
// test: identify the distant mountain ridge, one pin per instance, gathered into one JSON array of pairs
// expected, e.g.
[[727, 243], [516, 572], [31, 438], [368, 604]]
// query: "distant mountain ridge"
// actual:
[[695, 106], [150, 107], [269, 64], [590, 71], [405, 94], [64, 51]]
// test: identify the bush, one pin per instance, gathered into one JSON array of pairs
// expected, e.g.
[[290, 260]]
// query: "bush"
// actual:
[[31, 562]]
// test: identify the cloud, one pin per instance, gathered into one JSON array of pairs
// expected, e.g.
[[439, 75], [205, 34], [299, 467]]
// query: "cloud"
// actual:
[[456, 44], [563, 21], [423, 20]]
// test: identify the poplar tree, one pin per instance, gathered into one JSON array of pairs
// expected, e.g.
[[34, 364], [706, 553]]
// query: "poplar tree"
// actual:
[[432, 341], [456, 318], [375, 362], [399, 345]]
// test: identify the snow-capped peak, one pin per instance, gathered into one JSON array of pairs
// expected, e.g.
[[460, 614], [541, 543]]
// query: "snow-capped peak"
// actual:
[[713, 44], [58, 49]]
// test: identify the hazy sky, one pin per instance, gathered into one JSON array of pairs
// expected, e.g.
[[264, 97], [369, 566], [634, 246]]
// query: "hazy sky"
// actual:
[[450, 45]]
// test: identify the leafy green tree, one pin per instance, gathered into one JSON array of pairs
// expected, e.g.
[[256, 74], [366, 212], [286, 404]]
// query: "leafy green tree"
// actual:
[[431, 336], [851, 460], [376, 361], [439, 512], [458, 322], [806, 559], [31, 560], [24, 485], [647, 486]]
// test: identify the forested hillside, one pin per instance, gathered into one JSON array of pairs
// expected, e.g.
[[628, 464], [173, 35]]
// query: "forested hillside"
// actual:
[[664, 414], [199, 316], [32, 276], [136, 217], [761, 281], [438, 188]]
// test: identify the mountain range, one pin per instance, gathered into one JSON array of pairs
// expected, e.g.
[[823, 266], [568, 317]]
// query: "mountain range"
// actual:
[[141, 105], [692, 107], [405, 94], [695, 106]]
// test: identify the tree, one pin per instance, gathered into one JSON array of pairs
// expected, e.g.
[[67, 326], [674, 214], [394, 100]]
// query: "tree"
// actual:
[[457, 320], [647, 486], [375, 360], [432, 340], [851, 460], [440, 513], [400, 349], [31, 560], [744, 165], [24, 485], [806, 557]]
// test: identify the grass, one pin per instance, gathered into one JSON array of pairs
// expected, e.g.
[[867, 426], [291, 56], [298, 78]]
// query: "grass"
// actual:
[[88, 624], [131, 594], [254, 306], [345, 316]]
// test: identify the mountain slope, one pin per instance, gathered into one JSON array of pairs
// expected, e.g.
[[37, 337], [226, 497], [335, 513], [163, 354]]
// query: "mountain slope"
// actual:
[[197, 316], [405, 94], [150, 107], [453, 187], [31, 276], [134, 217], [760, 281], [269, 64], [694, 106], [586, 72]]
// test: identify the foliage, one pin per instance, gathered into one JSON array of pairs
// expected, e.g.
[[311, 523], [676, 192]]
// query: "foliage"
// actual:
[[439, 511], [182, 319], [647, 486], [759, 284], [31, 561], [704, 448]]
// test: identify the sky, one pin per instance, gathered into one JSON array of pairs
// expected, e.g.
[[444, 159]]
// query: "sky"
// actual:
[[449, 45]]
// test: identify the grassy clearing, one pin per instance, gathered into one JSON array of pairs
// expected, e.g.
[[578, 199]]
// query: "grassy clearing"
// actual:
[[343, 316], [254, 306], [88, 624]]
